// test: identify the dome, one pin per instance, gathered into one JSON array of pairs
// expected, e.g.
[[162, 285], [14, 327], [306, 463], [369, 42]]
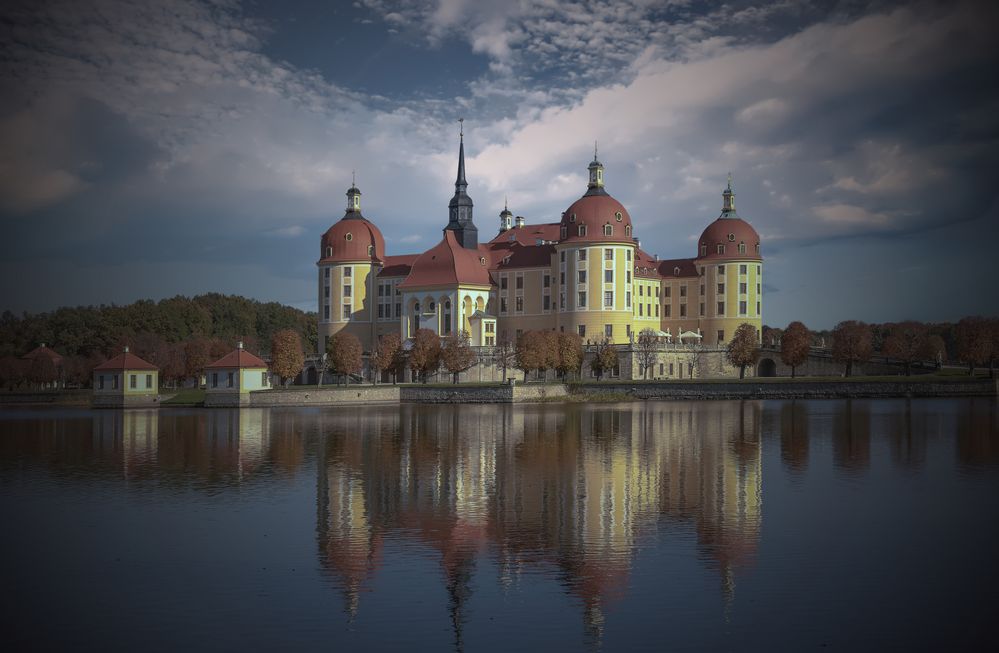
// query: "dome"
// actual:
[[728, 234], [595, 212], [354, 238]]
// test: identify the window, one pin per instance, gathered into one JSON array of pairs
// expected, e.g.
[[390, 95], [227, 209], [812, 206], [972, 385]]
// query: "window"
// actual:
[[263, 379], [627, 230], [326, 291], [581, 300], [721, 289], [683, 290], [757, 248], [666, 310], [347, 271], [721, 249], [346, 291], [581, 229], [520, 282], [561, 301], [704, 250], [371, 250], [742, 308], [608, 276], [683, 310], [562, 255], [398, 309], [609, 299], [561, 278], [581, 254], [666, 291], [348, 237], [742, 288], [721, 308], [132, 381], [618, 216], [548, 281], [230, 380], [608, 230], [215, 379], [572, 217], [660, 369], [742, 269], [546, 302], [702, 290], [657, 310], [627, 276], [381, 290], [381, 311], [346, 311], [757, 308], [329, 252], [742, 248], [581, 276], [326, 272], [563, 233], [627, 253], [627, 299], [100, 382], [671, 369], [490, 327], [608, 254], [503, 282], [676, 271], [520, 304], [581, 329], [149, 381], [702, 309], [731, 238], [721, 336], [608, 330], [721, 269], [758, 270], [640, 313], [627, 330], [502, 304]]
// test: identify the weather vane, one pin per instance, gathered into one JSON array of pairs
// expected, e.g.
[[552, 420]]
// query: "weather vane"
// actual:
[[461, 127]]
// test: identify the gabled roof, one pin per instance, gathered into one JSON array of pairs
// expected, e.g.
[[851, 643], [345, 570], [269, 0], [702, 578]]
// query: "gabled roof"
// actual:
[[126, 361], [529, 234], [646, 267], [398, 266], [448, 264], [43, 351], [667, 268], [237, 358], [514, 255]]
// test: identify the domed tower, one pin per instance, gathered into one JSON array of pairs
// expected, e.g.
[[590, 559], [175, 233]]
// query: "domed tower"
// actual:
[[506, 219], [731, 268], [595, 257], [351, 255]]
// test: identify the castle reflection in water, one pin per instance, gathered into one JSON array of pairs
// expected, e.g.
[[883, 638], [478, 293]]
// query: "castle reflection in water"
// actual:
[[568, 491]]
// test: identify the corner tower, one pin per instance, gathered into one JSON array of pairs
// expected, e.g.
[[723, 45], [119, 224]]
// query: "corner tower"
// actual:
[[460, 207]]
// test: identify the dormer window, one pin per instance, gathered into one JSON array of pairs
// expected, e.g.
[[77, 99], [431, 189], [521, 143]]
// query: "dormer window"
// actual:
[[742, 248], [371, 250], [348, 237], [721, 249], [676, 271], [581, 230], [329, 252], [482, 260], [627, 230], [563, 233], [572, 217], [757, 248], [704, 250], [618, 216], [608, 230]]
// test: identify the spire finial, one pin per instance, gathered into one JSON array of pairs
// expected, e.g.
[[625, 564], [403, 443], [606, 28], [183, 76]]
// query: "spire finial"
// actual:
[[353, 179], [461, 128], [730, 181], [505, 205], [594, 150]]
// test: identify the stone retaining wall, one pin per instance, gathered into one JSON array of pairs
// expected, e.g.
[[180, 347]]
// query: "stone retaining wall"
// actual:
[[493, 394], [311, 396], [795, 390]]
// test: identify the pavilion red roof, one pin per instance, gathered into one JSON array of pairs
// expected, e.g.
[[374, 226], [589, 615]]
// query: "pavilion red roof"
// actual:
[[238, 357], [126, 361]]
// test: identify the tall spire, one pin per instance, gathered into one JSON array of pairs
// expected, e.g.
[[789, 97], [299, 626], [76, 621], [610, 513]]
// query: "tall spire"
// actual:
[[460, 207], [728, 200]]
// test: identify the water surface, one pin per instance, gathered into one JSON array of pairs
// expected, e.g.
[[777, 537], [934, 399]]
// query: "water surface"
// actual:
[[789, 525]]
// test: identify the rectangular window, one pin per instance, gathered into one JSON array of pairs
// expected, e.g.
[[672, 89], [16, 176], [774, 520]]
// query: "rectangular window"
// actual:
[[721, 270], [229, 380], [582, 330], [502, 304], [562, 255], [581, 300], [742, 288], [520, 304], [581, 254], [263, 379], [683, 310], [671, 369], [347, 271], [702, 290], [628, 252], [215, 379], [581, 230], [704, 250], [398, 309], [742, 269], [721, 336], [149, 381], [564, 233], [520, 282], [608, 230], [657, 310], [581, 276], [721, 289], [757, 308], [608, 330], [326, 292], [326, 312], [660, 369], [131, 381], [561, 301], [561, 278], [721, 308], [666, 291], [640, 313], [381, 290], [100, 382], [742, 248], [683, 290], [546, 302], [608, 276], [742, 308], [627, 299], [548, 281], [346, 311], [490, 327], [757, 289], [326, 273], [608, 254], [667, 310], [381, 312], [609, 299], [702, 309], [627, 276], [503, 283], [346, 291], [758, 273], [721, 249]]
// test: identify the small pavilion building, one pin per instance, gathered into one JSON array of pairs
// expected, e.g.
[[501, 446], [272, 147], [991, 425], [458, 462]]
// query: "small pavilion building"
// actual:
[[231, 379], [126, 381], [45, 367]]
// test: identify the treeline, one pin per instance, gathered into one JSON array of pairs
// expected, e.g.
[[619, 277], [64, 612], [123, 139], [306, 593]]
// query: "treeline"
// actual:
[[176, 334]]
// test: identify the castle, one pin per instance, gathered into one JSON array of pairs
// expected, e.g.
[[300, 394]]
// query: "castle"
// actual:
[[585, 274]]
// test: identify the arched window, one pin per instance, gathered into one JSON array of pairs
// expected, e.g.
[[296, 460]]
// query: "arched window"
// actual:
[[329, 252], [742, 248], [627, 230], [431, 307], [608, 230], [581, 230], [704, 250], [721, 249], [676, 271]]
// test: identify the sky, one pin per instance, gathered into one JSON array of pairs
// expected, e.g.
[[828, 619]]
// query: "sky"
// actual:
[[189, 146]]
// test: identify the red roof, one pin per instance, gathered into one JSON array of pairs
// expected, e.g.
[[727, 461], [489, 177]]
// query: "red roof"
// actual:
[[529, 234], [514, 255], [43, 351], [595, 211], [126, 361], [448, 264], [398, 266], [729, 232], [668, 268], [646, 266], [238, 357], [353, 238]]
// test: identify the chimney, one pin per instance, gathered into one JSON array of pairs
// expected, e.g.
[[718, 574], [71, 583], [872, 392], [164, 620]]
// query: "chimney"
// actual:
[[657, 257], [519, 220], [239, 345], [126, 349]]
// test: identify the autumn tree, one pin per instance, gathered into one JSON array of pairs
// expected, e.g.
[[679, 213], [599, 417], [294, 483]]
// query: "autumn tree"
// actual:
[[456, 354], [852, 343], [935, 349], [425, 356], [906, 341], [743, 349], [386, 354], [504, 354], [974, 342], [772, 336], [569, 348], [287, 358], [647, 348], [343, 354], [197, 356], [529, 354], [794, 345], [604, 358], [170, 360]]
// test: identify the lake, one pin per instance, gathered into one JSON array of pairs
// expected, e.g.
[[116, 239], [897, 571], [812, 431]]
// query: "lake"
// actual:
[[709, 525]]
